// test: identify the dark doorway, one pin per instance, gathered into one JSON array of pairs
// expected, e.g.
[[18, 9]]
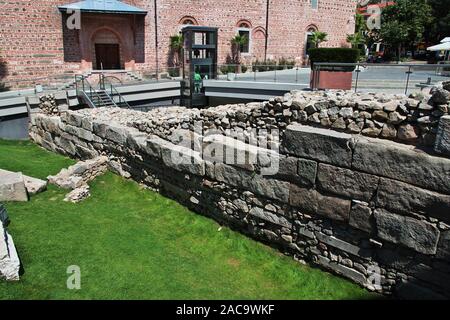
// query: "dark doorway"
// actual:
[[107, 56]]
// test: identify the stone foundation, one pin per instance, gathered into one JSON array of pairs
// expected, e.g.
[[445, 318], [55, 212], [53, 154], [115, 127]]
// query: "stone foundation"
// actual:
[[372, 210]]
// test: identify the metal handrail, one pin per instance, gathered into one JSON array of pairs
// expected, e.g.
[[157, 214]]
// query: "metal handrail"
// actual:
[[90, 93], [114, 92]]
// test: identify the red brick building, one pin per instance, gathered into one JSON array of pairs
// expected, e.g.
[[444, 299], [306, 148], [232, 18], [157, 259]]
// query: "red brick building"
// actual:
[[35, 42]]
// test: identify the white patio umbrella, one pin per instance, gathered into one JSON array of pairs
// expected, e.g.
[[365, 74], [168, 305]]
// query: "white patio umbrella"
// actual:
[[443, 46]]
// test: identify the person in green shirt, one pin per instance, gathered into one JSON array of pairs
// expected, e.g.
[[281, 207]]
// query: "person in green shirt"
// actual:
[[197, 81]]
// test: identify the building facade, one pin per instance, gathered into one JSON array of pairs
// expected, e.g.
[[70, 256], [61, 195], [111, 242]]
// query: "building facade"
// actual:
[[42, 39]]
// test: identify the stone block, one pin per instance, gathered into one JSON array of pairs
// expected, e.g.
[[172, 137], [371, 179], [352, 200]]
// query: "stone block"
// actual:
[[116, 133], [318, 144], [348, 183], [443, 251], [182, 159], [12, 186], [299, 171], [347, 272], [404, 198], [361, 216], [233, 152], [9, 260], [154, 144], [402, 162], [313, 202], [342, 245], [243, 179], [270, 217], [442, 144], [99, 128], [418, 235], [79, 132], [34, 185]]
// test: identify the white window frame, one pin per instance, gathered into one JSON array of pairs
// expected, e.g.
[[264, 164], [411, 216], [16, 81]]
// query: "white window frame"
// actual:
[[314, 7], [249, 30]]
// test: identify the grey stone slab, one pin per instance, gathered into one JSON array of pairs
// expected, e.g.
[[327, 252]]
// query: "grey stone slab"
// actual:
[[182, 159], [442, 144], [318, 144], [116, 133], [342, 245], [270, 188], [348, 183], [443, 250], [12, 186], [361, 216], [405, 198], [418, 235], [313, 202], [402, 162], [270, 217], [347, 272]]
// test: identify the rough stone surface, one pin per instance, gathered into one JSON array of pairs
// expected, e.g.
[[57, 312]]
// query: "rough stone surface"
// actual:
[[347, 183], [388, 159], [9, 260], [404, 198], [361, 216], [442, 144], [12, 186], [80, 173], [319, 144], [78, 194], [420, 236]]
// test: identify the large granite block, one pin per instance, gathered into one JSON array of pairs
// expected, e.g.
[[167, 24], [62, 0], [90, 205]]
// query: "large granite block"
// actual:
[[318, 144]]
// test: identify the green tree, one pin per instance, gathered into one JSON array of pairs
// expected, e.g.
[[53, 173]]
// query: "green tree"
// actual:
[[356, 39], [237, 42], [318, 37], [403, 24], [176, 46], [439, 27]]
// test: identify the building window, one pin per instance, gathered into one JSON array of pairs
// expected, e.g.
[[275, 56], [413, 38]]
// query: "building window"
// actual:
[[245, 48], [315, 4], [243, 29]]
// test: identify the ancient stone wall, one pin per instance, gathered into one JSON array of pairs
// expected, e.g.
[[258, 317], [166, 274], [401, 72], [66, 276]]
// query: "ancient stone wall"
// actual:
[[372, 210]]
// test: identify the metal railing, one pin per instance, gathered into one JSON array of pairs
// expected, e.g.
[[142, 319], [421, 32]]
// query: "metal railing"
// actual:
[[83, 87], [111, 90], [261, 72], [426, 73]]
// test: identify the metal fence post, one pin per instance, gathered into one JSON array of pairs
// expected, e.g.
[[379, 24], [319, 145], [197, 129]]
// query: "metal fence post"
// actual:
[[407, 79], [357, 77]]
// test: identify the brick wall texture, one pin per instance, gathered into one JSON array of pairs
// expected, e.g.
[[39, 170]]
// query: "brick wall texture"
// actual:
[[35, 44]]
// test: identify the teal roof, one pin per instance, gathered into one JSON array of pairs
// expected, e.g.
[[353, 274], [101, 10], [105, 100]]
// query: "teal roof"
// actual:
[[102, 6]]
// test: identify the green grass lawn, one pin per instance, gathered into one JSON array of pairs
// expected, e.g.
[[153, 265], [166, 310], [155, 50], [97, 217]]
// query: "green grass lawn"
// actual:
[[131, 243]]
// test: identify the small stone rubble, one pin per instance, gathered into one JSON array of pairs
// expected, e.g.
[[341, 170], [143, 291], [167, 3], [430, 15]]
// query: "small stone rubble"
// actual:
[[48, 104], [77, 176]]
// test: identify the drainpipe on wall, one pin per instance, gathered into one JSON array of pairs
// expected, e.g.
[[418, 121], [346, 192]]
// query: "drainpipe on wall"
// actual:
[[156, 40], [267, 30]]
